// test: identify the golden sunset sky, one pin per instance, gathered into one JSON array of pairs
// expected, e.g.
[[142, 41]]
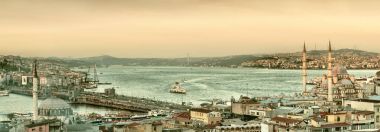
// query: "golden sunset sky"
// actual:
[[173, 28]]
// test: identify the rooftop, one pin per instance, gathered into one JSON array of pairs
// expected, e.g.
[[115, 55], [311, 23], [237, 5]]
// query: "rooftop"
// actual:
[[363, 112], [40, 123], [285, 120], [200, 110], [335, 125], [367, 100]]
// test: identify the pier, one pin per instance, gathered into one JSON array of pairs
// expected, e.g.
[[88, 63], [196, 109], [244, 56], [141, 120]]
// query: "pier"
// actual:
[[121, 102], [125, 102]]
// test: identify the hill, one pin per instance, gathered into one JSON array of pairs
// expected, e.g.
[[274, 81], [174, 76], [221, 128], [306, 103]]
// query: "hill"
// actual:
[[227, 61]]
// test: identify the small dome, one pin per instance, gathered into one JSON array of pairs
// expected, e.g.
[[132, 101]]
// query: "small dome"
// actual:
[[54, 107], [53, 103]]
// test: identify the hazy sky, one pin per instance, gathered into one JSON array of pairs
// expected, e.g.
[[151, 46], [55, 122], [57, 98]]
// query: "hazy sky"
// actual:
[[173, 28]]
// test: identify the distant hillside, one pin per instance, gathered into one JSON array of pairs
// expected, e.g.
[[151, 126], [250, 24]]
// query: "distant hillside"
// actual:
[[197, 61], [317, 59], [227, 61], [345, 52]]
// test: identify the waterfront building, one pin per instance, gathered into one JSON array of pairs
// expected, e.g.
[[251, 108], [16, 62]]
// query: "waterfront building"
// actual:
[[26, 80], [205, 117], [52, 125], [261, 113], [156, 126], [342, 121], [182, 119], [243, 105], [110, 92], [283, 124], [366, 105], [362, 120]]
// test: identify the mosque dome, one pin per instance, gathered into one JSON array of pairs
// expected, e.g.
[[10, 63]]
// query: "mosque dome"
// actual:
[[346, 82], [54, 107]]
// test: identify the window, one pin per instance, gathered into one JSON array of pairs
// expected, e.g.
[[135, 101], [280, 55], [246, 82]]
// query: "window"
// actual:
[[337, 128], [338, 119], [377, 118]]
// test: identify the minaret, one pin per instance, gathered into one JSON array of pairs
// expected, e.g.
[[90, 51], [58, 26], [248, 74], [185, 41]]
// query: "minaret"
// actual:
[[329, 76], [35, 91], [304, 68]]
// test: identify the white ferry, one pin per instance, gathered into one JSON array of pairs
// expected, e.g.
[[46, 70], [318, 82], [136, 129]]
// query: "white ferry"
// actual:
[[4, 93], [177, 89]]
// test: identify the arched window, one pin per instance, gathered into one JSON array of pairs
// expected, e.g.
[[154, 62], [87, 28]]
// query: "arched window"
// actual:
[[338, 119], [377, 118]]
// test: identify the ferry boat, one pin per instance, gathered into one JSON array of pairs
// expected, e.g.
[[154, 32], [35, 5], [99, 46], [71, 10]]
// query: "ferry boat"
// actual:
[[90, 85], [177, 89], [4, 93]]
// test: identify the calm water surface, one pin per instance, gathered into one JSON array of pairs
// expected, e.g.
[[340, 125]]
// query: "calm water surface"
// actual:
[[201, 84]]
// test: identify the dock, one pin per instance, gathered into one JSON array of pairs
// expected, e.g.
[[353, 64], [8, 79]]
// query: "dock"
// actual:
[[125, 102], [122, 102]]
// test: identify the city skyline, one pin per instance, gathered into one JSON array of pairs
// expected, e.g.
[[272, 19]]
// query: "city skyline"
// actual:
[[171, 29]]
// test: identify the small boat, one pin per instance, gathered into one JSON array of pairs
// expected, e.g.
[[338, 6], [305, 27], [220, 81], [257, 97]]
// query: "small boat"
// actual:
[[310, 83], [4, 93], [89, 85], [177, 89]]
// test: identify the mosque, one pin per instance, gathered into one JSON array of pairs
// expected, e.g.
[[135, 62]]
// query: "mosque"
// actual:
[[338, 84], [51, 114]]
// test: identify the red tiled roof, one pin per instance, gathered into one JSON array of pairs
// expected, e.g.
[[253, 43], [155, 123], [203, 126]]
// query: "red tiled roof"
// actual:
[[363, 112], [337, 113], [285, 120], [133, 124], [335, 125], [201, 110], [185, 115], [323, 113]]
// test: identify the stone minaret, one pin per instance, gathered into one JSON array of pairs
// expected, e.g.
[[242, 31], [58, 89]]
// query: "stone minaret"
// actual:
[[304, 68], [35, 91], [329, 76]]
